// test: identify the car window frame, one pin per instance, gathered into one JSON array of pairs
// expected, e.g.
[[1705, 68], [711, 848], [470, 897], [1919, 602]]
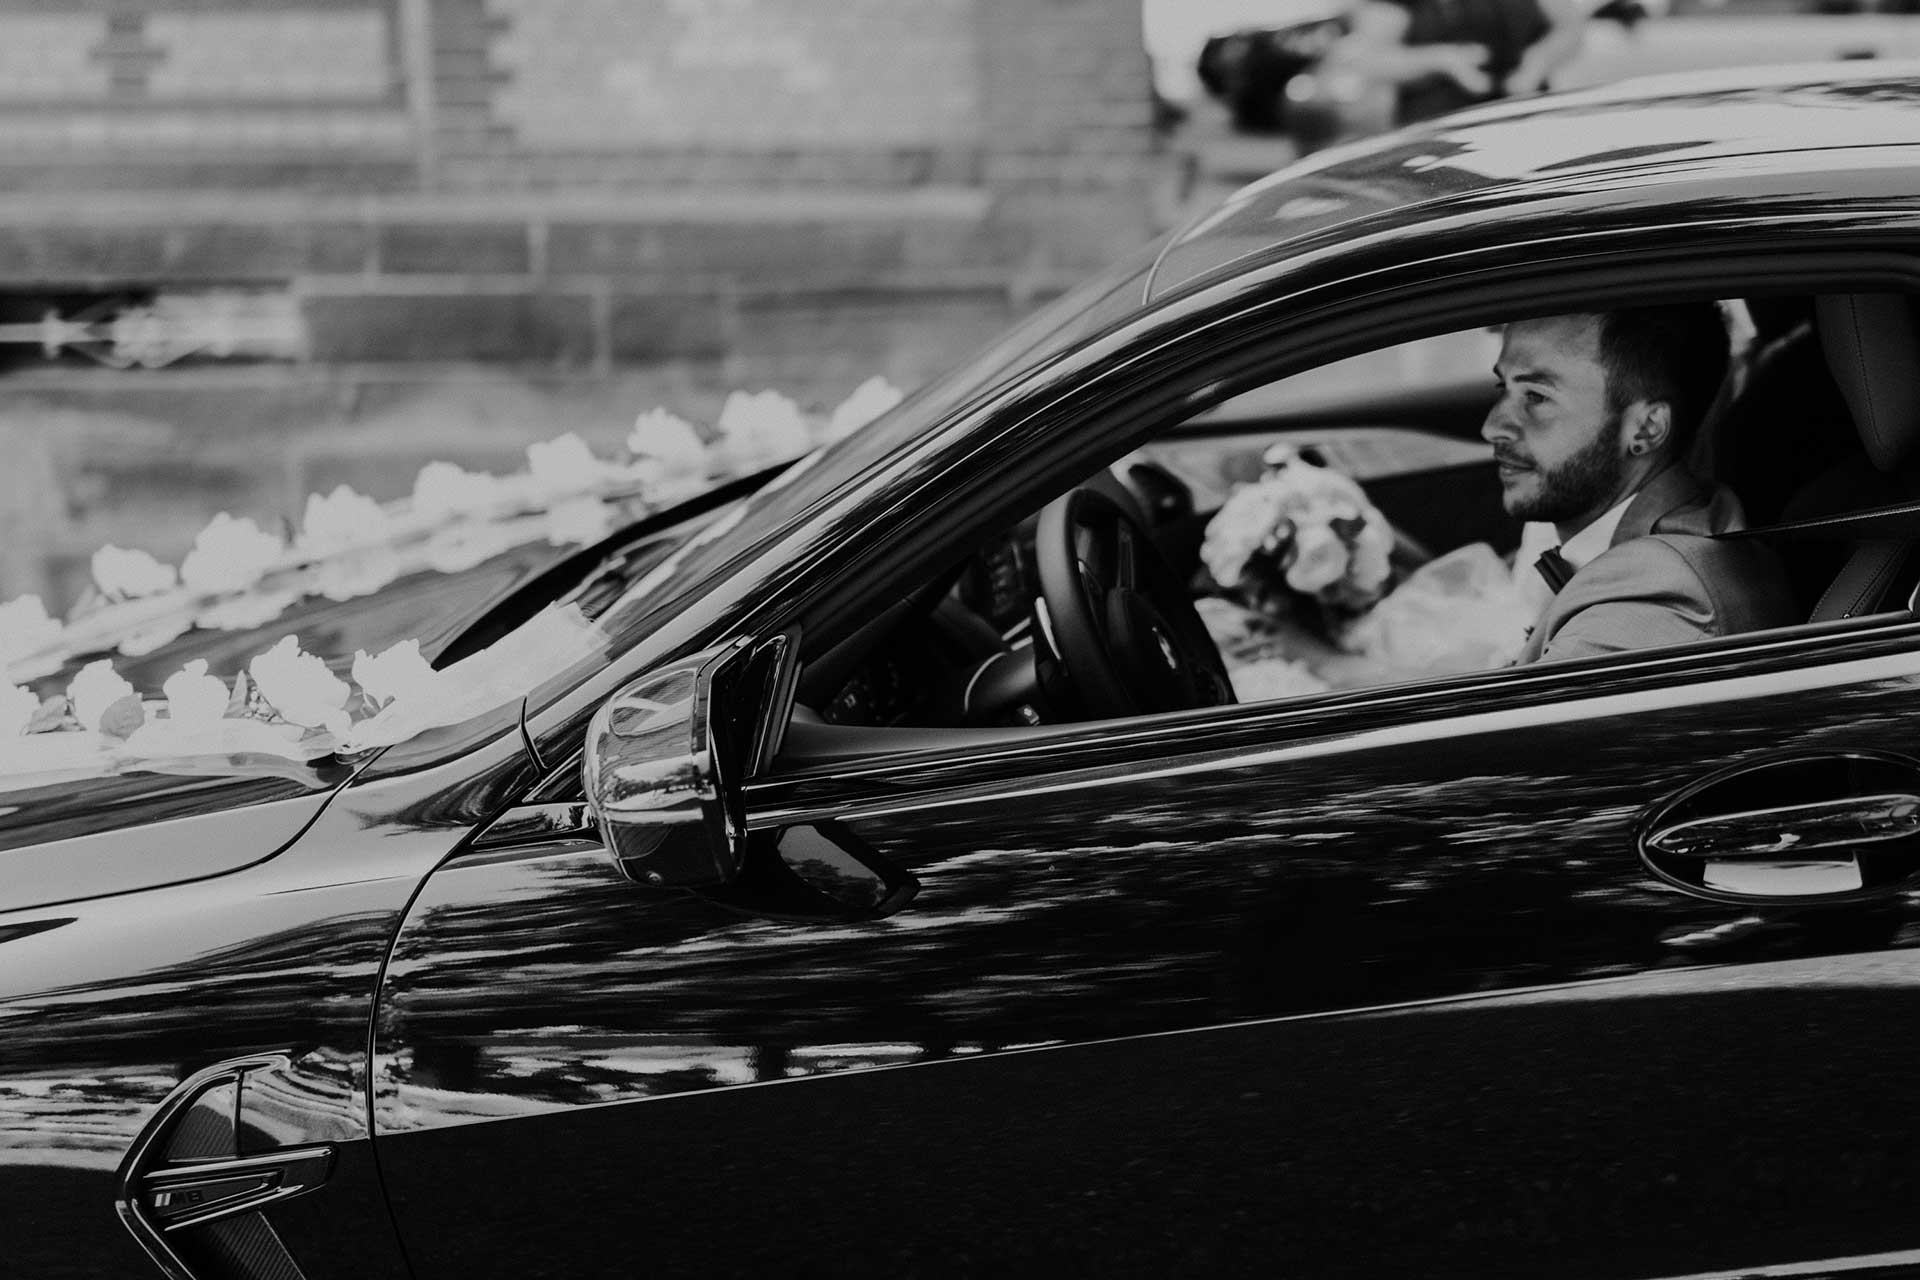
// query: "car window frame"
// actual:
[[1359, 322]]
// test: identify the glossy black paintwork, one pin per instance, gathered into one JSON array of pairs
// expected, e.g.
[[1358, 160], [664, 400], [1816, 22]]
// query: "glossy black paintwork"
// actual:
[[171, 847], [1375, 977], [107, 1004], [1499, 157], [1206, 890]]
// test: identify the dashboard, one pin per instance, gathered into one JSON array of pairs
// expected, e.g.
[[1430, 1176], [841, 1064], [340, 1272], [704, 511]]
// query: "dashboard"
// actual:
[[919, 673]]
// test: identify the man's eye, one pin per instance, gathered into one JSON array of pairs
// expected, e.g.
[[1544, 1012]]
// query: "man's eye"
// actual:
[[1532, 398]]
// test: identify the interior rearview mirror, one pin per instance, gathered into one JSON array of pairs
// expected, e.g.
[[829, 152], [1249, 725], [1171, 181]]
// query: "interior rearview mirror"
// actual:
[[667, 755]]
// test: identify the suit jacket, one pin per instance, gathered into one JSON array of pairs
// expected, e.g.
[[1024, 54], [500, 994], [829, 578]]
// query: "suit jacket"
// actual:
[[1664, 580]]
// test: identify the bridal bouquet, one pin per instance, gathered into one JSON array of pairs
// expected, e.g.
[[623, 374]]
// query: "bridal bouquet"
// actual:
[[1301, 530]]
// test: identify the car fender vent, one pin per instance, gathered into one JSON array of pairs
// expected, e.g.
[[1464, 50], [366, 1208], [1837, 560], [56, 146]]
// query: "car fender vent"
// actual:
[[194, 1201]]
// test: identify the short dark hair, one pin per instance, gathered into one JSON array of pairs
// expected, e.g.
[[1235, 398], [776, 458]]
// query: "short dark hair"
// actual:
[[1677, 354]]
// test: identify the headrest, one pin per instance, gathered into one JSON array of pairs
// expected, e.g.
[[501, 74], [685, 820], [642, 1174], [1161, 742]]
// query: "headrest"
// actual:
[[1873, 348]]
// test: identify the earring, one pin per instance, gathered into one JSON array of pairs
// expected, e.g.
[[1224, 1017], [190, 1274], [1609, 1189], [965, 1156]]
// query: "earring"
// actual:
[[1636, 447]]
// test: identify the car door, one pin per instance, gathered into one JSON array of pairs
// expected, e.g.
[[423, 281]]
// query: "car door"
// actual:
[[1398, 980]]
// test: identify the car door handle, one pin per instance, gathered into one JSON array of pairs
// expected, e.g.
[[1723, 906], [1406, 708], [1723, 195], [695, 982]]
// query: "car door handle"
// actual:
[[1792, 829], [1817, 828]]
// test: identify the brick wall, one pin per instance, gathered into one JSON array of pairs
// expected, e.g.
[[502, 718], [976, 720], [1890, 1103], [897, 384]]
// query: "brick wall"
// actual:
[[549, 161]]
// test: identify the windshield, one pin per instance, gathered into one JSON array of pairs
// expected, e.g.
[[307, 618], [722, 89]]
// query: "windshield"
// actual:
[[1075, 316], [584, 637]]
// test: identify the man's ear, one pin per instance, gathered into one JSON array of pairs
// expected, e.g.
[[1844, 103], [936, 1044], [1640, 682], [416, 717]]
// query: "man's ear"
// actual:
[[1647, 425]]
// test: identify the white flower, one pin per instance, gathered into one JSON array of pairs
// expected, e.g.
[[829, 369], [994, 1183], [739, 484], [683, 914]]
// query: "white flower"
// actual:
[[129, 575], [195, 700], [443, 489], [230, 555], [1241, 527], [759, 430], [1319, 559], [340, 521], [1372, 565], [869, 400], [17, 708], [1314, 521], [299, 686], [94, 688], [565, 465], [25, 628], [398, 670], [670, 440], [578, 521]]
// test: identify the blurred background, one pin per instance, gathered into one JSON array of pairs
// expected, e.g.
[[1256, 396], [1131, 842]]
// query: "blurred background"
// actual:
[[252, 249]]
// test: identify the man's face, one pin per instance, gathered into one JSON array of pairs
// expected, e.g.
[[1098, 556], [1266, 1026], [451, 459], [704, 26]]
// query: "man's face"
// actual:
[[1558, 446]]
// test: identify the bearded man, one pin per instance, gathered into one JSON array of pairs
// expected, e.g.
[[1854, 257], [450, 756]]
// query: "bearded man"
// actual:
[[1594, 418]]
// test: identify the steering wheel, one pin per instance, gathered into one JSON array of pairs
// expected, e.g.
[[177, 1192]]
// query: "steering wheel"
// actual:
[[1125, 637]]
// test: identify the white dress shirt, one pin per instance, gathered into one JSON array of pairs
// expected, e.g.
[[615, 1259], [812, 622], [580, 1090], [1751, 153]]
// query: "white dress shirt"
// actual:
[[1537, 536]]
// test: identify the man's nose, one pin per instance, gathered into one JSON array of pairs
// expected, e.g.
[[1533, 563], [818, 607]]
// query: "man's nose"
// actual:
[[1498, 425]]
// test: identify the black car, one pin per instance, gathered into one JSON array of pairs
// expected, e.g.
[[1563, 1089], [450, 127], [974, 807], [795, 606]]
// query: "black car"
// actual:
[[871, 900]]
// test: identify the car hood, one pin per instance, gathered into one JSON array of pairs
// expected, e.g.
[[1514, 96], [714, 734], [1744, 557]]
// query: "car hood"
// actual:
[[72, 804], [81, 802]]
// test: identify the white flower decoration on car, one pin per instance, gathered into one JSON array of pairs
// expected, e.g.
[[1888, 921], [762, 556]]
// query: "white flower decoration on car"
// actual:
[[17, 709], [758, 430], [341, 521], [398, 671], [230, 555], [565, 465], [94, 689], [129, 575], [443, 489], [299, 686], [869, 400], [578, 521], [25, 628], [196, 701], [669, 440]]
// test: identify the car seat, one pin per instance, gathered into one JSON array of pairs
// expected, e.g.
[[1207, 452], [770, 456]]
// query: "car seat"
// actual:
[[1872, 347]]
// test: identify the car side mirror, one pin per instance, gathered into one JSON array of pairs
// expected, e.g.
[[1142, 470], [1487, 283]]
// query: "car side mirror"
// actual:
[[667, 755]]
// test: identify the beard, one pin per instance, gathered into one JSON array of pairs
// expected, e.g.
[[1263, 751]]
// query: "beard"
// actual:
[[1576, 486]]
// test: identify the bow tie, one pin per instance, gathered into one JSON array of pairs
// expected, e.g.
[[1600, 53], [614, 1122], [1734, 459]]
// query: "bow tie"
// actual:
[[1555, 568]]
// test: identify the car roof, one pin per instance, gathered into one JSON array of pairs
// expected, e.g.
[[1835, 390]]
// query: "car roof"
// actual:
[[1705, 124]]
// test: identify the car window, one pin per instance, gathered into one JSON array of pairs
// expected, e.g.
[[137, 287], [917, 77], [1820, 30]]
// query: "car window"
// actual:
[[1380, 521]]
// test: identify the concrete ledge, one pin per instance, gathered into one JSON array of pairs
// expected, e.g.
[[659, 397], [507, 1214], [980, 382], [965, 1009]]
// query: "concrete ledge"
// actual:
[[689, 241], [741, 205], [606, 328]]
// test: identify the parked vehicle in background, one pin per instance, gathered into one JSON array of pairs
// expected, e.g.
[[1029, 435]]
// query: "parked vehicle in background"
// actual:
[[1265, 74]]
